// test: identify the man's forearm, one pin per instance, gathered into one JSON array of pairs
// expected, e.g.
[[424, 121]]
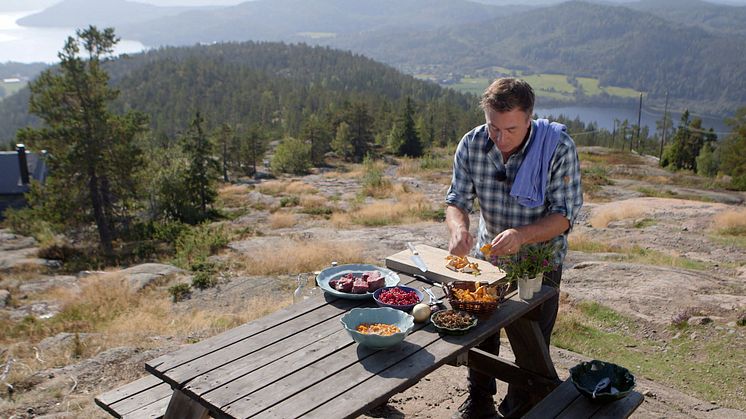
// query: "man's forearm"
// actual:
[[544, 229], [456, 219]]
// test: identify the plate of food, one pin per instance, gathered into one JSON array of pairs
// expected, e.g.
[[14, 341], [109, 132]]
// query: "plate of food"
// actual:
[[355, 281]]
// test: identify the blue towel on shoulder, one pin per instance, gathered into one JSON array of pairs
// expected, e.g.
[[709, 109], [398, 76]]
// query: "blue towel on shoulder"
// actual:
[[531, 180]]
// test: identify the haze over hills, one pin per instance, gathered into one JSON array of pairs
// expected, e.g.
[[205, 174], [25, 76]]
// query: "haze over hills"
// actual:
[[81, 13], [306, 20]]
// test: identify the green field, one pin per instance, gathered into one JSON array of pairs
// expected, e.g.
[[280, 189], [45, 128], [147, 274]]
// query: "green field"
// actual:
[[555, 86]]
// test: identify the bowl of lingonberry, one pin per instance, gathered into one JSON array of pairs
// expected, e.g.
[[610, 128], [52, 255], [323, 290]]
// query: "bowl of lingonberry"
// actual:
[[398, 297]]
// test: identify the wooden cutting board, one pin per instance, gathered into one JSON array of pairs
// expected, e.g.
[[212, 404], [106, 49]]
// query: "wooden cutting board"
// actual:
[[435, 259]]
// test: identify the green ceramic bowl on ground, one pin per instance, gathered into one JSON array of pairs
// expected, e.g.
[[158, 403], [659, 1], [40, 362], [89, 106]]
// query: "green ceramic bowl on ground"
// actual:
[[385, 315], [586, 376]]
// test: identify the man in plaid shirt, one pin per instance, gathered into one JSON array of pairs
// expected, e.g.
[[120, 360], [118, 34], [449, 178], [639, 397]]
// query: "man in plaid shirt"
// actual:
[[485, 166]]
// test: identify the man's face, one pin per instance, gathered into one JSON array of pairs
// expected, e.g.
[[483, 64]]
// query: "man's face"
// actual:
[[507, 129]]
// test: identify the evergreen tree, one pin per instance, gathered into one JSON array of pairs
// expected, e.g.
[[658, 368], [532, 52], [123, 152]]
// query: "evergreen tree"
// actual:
[[685, 144], [251, 148], [318, 134], [360, 122], [94, 152], [203, 168], [732, 150], [342, 143], [404, 140]]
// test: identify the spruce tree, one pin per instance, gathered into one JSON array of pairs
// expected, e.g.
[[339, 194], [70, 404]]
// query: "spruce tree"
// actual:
[[94, 154], [203, 169]]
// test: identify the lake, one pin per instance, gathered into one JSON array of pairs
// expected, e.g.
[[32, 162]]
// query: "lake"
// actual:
[[28, 44], [604, 117]]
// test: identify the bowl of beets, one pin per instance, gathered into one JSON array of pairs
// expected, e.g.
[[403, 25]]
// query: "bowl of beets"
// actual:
[[398, 297]]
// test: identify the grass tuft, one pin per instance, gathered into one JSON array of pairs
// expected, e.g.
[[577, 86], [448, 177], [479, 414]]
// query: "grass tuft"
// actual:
[[604, 215], [730, 222], [293, 256], [282, 220]]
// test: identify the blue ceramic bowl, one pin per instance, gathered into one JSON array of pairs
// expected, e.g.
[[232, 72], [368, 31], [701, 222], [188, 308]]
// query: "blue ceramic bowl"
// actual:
[[386, 315], [586, 375], [404, 307]]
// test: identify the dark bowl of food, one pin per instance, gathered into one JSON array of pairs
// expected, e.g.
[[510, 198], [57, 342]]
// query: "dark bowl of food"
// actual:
[[602, 381], [398, 297], [453, 322]]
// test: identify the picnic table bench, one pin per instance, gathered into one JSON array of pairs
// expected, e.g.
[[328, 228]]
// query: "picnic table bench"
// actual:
[[299, 361]]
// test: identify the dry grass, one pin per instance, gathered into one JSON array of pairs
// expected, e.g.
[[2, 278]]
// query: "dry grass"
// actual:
[[408, 208], [730, 222], [293, 256], [618, 211], [300, 188], [282, 220], [234, 196], [117, 317], [286, 187], [658, 180], [613, 157]]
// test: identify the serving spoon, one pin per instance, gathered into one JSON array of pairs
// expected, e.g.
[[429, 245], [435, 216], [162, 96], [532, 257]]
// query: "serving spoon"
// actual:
[[601, 385]]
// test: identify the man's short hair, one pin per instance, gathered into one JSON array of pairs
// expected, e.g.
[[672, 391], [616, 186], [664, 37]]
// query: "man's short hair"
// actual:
[[508, 93]]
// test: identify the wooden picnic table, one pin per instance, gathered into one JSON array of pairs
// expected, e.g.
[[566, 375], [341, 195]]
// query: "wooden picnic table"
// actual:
[[299, 361]]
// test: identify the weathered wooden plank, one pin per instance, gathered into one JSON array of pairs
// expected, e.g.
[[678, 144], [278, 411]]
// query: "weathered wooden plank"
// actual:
[[195, 367], [170, 361], [183, 407], [333, 386], [621, 408], [155, 410], [142, 399], [553, 404], [508, 372], [271, 356], [248, 384], [128, 390], [581, 407], [243, 332], [531, 353]]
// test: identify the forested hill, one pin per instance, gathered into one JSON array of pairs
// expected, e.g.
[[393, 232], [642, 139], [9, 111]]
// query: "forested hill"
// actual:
[[620, 46], [716, 18], [305, 20], [267, 84]]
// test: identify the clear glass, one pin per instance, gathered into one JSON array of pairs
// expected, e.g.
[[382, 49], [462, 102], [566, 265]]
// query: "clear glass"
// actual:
[[302, 280]]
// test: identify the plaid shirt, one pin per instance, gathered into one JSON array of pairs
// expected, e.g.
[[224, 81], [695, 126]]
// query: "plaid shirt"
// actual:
[[479, 172]]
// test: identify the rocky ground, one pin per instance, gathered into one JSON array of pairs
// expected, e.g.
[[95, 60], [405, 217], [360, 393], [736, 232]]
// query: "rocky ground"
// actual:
[[652, 294]]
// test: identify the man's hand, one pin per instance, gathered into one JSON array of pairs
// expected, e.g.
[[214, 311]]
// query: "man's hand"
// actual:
[[508, 242], [460, 242]]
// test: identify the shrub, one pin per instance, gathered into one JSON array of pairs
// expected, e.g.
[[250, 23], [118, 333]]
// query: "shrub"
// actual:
[[289, 201], [292, 156], [203, 280], [179, 292], [374, 182], [196, 244]]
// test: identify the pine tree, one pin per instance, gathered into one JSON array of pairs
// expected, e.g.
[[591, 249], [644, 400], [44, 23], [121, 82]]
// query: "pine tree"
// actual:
[[203, 168], [95, 156]]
